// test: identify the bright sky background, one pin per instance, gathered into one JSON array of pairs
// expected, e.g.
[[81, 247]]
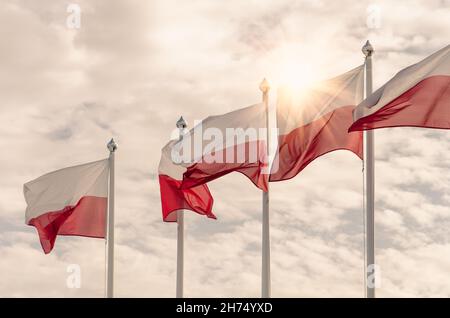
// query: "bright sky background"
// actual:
[[129, 72]]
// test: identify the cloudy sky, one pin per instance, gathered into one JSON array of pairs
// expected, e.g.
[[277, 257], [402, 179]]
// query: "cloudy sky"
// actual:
[[134, 66]]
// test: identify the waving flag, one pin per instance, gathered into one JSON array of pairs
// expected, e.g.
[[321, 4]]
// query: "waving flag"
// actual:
[[418, 96], [173, 198], [315, 122], [222, 144], [70, 201]]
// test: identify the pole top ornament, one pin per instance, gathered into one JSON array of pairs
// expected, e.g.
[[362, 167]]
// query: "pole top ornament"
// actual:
[[264, 86], [112, 146], [181, 123], [367, 49]]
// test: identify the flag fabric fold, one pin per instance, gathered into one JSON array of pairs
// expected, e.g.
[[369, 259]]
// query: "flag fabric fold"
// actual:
[[417, 96], [315, 122], [70, 201], [197, 199]]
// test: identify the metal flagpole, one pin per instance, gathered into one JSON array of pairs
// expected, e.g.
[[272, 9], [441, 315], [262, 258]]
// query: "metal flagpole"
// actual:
[[112, 147], [369, 182], [181, 125], [265, 268]]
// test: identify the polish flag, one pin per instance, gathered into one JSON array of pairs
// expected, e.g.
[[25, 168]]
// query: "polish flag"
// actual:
[[418, 96], [315, 122], [173, 198], [232, 142], [70, 201]]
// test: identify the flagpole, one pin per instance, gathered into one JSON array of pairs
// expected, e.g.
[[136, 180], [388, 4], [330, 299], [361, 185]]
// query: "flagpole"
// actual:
[[181, 125], [112, 147], [369, 183], [265, 268]]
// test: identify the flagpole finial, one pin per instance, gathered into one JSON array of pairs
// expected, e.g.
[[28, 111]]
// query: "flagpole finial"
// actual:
[[264, 86], [367, 49], [112, 146], [181, 123]]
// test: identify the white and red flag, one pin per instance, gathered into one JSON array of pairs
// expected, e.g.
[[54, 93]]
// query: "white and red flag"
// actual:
[[218, 145], [418, 96], [173, 198], [316, 121], [232, 142], [70, 201]]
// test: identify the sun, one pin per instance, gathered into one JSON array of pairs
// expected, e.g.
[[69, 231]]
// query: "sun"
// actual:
[[298, 76], [294, 66]]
